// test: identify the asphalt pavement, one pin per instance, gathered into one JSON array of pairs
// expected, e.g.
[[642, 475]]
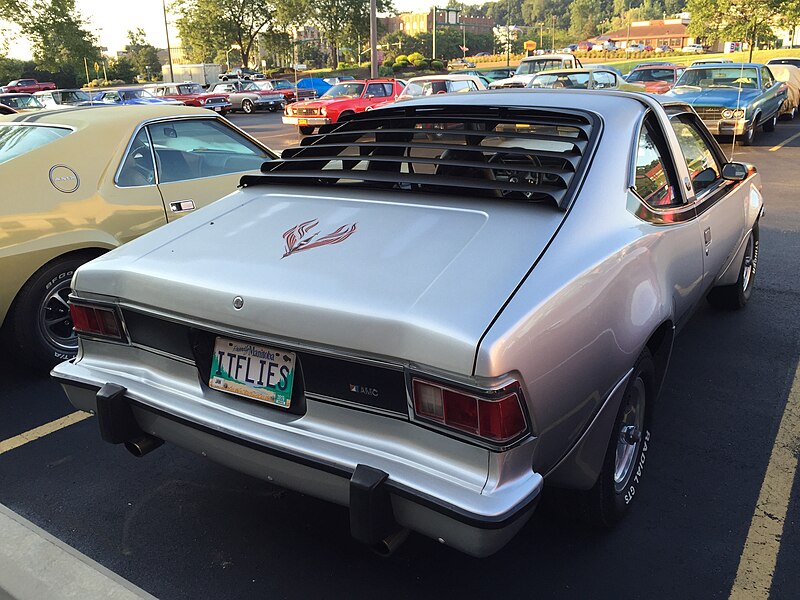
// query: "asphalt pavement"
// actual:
[[180, 527]]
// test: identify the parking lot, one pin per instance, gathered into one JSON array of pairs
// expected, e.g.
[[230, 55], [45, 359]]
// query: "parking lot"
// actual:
[[708, 523]]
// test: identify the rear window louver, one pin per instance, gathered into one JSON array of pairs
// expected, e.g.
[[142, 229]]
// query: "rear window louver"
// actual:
[[526, 154]]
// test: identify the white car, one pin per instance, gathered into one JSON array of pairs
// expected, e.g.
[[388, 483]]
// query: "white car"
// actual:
[[693, 49], [634, 48]]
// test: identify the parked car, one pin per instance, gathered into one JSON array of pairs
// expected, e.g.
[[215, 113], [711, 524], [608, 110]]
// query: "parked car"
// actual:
[[286, 87], [569, 49], [312, 340], [132, 96], [341, 100], [585, 46], [662, 48], [430, 85], [338, 79], [192, 94], [315, 84], [611, 68], [77, 183], [634, 48], [26, 86], [247, 97], [499, 73], [240, 73], [693, 49], [586, 79], [790, 75], [21, 102], [656, 79], [459, 63], [63, 97], [530, 66], [710, 61], [784, 60], [733, 99]]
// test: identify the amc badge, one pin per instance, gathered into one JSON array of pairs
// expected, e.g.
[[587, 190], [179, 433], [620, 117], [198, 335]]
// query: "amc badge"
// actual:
[[64, 179]]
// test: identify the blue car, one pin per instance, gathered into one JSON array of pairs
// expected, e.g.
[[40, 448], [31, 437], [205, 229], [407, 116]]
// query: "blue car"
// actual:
[[732, 98], [131, 96], [319, 86]]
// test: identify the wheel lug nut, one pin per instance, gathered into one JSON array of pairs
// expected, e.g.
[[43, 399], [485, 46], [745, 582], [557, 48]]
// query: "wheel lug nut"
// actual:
[[631, 435]]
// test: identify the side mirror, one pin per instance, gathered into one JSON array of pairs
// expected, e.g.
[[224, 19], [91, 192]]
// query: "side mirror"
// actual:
[[734, 171]]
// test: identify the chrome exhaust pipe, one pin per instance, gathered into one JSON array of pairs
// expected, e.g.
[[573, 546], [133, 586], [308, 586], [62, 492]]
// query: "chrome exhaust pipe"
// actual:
[[388, 545], [143, 445]]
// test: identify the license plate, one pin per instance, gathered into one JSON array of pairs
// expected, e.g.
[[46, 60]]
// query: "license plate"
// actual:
[[302, 121], [253, 371], [218, 108]]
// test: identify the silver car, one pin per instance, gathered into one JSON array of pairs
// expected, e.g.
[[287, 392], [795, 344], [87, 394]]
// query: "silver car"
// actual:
[[430, 311], [247, 97]]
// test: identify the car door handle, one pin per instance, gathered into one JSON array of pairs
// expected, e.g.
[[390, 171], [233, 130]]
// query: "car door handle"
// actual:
[[707, 238], [182, 206]]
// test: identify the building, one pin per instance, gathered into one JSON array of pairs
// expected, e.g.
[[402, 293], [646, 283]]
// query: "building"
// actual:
[[413, 23], [667, 32]]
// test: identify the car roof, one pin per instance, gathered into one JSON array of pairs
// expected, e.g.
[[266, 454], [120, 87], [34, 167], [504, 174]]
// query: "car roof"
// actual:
[[730, 65], [576, 70], [777, 58], [111, 117], [445, 77]]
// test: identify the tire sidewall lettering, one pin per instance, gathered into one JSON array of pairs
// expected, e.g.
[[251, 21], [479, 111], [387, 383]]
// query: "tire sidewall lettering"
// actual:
[[630, 492], [58, 279]]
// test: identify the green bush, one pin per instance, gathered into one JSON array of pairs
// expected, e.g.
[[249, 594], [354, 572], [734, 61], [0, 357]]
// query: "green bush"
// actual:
[[344, 66], [399, 66], [401, 58], [385, 71], [415, 56], [421, 63], [437, 65], [388, 62]]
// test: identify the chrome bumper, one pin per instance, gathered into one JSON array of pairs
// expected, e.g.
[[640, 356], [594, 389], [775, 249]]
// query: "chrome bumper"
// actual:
[[728, 126], [300, 120], [469, 518]]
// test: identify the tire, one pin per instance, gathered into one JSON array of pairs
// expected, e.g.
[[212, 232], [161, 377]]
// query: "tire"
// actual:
[[272, 109], [247, 107], [748, 136], [624, 462], [346, 113], [736, 296], [40, 322], [306, 129], [770, 125]]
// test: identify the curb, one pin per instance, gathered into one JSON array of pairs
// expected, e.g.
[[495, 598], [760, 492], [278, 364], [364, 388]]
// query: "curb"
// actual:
[[35, 565]]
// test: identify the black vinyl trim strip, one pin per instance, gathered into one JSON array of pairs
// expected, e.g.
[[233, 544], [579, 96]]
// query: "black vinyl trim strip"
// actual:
[[445, 508]]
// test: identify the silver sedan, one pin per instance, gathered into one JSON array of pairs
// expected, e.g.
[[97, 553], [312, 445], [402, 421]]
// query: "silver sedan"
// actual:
[[431, 310]]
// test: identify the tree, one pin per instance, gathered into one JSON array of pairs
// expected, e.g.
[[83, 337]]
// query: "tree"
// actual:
[[343, 22], [141, 54], [207, 27], [790, 17], [123, 69], [745, 20], [57, 32]]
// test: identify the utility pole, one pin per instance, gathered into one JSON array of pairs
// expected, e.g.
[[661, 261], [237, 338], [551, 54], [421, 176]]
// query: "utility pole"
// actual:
[[541, 36], [554, 33], [433, 22], [169, 52], [508, 33], [373, 39], [463, 31]]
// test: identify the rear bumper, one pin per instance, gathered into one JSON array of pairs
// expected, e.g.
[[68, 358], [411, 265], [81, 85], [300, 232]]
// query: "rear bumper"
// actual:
[[404, 496], [299, 120]]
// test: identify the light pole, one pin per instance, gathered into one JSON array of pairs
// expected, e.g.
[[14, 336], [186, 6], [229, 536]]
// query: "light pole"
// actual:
[[541, 36], [228, 54], [373, 38], [433, 22], [169, 51], [554, 33]]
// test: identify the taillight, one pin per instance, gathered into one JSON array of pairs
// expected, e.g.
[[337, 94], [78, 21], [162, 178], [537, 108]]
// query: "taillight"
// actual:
[[97, 321], [498, 419]]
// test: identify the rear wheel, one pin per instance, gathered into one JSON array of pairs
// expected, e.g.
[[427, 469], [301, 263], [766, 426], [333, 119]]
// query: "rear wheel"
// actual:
[[247, 106], [624, 463], [736, 296], [40, 322], [306, 129]]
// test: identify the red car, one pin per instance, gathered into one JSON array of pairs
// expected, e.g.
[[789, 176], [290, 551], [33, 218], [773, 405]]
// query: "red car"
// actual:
[[340, 100], [656, 79], [192, 94], [26, 86], [285, 87]]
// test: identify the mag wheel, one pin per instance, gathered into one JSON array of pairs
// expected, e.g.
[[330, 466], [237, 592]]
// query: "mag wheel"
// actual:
[[737, 295], [41, 324], [247, 107], [748, 136], [625, 459]]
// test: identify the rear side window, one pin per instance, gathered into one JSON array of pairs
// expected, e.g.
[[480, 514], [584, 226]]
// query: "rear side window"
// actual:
[[16, 140], [654, 180], [704, 169]]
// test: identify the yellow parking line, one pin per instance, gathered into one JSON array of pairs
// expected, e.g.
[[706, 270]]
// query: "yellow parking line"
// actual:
[[760, 553], [784, 142], [42, 430]]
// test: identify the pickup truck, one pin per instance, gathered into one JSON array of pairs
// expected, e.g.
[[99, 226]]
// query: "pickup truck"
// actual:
[[26, 86]]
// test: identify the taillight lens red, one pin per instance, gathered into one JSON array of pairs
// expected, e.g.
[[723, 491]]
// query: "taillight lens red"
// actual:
[[498, 420], [96, 320]]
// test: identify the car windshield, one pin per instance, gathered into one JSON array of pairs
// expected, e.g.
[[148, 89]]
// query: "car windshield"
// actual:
[[345, 90], [534, 66], [133, 94], [642, 75], [733, 77], [425, 88], [73, 96], [22, 102], [16, 140], [190, 88], [281, 84], [250, 86], [561, 80]]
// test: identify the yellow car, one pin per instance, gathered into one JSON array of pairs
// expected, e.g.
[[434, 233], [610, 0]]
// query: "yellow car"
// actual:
[[79, 182], [586, 79]]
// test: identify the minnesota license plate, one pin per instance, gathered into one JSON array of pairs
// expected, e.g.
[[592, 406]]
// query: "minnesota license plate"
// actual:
[[253, 371], [302, 121]]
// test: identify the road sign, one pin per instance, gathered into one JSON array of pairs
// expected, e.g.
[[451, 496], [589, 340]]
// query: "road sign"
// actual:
[[300, 67], [530, 45]]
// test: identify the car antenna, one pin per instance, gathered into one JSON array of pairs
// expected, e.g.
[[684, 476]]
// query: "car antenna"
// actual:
[[738, 102]]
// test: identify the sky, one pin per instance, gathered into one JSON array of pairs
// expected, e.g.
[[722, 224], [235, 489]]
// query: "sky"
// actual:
[[110, 22]]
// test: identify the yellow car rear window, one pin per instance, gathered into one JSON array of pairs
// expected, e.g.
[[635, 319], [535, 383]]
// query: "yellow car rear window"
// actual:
[[16, 140]]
